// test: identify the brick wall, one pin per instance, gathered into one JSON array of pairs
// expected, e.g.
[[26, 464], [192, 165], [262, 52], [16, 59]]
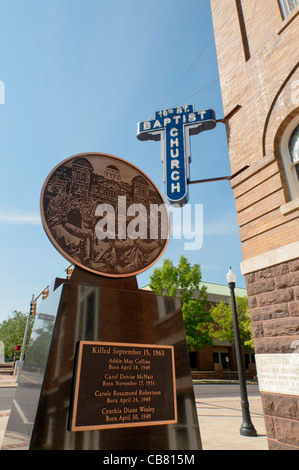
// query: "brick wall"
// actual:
[[273, 296], [262, 76], [264, 87], [282, 432]]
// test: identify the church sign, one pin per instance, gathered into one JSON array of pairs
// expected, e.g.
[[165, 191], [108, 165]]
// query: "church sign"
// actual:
[[174, 127]]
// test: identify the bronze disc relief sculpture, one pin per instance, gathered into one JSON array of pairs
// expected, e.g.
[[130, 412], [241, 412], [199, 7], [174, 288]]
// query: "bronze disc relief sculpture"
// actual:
[[105, 215]]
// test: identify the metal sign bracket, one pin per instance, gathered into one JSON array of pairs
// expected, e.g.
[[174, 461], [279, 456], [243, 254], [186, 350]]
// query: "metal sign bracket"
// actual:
[[221, 178]]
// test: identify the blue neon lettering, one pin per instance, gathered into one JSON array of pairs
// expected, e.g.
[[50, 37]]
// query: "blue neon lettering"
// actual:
[[175, 187], [174, 142], [174, 155]]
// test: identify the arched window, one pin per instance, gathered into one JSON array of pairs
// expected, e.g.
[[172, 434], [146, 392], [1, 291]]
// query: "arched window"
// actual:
[[287, 6], [289, 149]]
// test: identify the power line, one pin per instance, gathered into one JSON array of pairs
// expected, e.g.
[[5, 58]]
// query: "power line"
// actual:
[[196, 93], [183, 76]]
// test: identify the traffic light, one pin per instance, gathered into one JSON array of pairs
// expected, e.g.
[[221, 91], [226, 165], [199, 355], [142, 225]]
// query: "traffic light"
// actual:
[[32, 308], [18, 347], [45, 293], [69, 272]]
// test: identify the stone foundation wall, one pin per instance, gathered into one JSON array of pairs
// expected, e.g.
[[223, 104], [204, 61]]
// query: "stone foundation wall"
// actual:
[[273, 296]]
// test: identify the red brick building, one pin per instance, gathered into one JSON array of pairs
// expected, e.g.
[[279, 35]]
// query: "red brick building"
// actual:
[[257, 52], [219, 361]]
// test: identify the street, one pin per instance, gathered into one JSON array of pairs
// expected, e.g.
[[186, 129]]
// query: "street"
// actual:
[[6, 396], [224, 390], [200, 390]]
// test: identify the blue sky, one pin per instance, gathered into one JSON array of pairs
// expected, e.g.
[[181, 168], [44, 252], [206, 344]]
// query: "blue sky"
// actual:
[[78, 77]]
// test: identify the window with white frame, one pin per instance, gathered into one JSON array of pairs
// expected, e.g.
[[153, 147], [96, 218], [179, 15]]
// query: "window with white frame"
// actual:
[[287, 6], [289, 149]]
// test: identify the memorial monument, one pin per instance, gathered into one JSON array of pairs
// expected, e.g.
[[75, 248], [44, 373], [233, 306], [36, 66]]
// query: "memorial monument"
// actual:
[[107, 366]]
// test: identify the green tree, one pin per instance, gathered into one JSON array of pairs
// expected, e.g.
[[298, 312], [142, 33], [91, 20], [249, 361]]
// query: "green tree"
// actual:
[[39, 347], [12, 331], [184, 281], [222, 326]]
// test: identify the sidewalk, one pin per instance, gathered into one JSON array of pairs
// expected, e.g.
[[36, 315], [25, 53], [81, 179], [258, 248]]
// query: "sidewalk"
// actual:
[[5, 381], [219, 422]]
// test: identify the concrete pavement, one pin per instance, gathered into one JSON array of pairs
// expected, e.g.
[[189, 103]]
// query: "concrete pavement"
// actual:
[[219, 422], [5, 381]]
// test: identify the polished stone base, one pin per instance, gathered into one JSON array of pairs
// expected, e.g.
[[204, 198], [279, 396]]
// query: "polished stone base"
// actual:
[[90, 312]]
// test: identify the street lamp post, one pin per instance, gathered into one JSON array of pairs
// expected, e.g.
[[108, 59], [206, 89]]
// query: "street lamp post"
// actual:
[[247, 428]]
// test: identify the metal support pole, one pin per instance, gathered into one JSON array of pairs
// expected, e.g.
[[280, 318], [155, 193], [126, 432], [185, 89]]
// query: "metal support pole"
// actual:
[[220, 178], [21, 360], [247, 428]]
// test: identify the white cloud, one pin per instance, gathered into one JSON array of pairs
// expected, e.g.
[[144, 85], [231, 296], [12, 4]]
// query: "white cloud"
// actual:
[[11, 218], [224, 225]]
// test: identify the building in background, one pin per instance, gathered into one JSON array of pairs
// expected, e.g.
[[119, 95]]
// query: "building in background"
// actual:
[[257, 51], [219, 360]]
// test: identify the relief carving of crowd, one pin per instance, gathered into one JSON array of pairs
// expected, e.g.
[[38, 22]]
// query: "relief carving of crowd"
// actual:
[[71, 197]]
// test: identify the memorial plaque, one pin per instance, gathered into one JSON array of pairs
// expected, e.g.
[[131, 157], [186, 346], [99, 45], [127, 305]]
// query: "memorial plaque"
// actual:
[[105, 215], [123, 385], [278, 373]]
